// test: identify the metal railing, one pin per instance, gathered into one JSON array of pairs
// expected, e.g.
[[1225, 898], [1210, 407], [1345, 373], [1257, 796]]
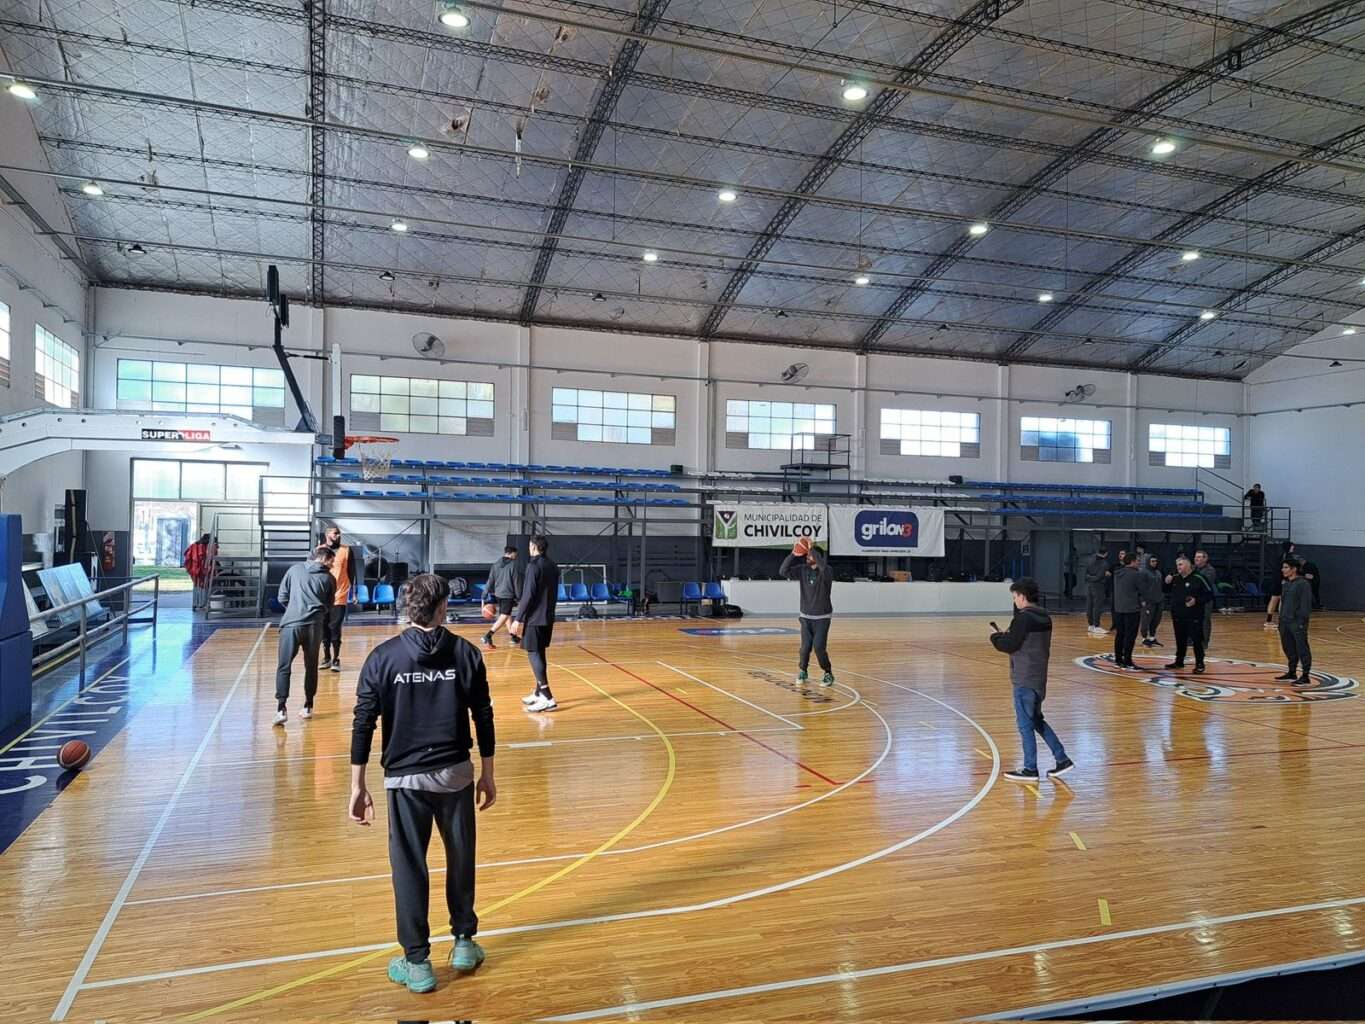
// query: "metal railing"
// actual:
[[85, 635]]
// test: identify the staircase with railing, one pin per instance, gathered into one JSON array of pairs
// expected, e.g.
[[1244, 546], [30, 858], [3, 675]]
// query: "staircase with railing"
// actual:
[[234, 581]]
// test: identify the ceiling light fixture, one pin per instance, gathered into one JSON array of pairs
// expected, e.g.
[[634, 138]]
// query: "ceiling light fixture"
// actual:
[[1044, 296], [854, 92], [1348, 331], [418, 151], [136, 250], [781, 314], [24, 92], [978, 229], [453, 17], [650, 257], [598, 297], [1335, 362], [1163, 147], [399, 225], [727, 195], [1208, 314], [386, 276], [92, 188], [862, 279], [1190, 255]]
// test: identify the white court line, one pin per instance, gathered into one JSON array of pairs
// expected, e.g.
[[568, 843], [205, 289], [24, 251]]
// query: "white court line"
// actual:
[[948, 961], [636, 915], [732, 696], [61, 709], [88, 960], [562, 856]]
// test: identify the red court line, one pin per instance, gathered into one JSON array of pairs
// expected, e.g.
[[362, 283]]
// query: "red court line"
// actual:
[[706, 714]]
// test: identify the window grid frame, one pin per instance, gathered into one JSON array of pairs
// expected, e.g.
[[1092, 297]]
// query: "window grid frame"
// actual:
[[56, 370], [894, 423], [1085, 447], [165, 376], [741, 414], [1195, 447], [447, 409], [571, 417], [6, 341]]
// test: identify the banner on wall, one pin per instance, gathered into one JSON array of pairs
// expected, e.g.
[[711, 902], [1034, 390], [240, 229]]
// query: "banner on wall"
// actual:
[[904, 532], [768, 526]]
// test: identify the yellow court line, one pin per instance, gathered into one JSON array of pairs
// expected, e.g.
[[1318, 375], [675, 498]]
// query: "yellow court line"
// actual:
[[1077, 840], [1033, 789], [287, 986], [1105, 919], [983, 754]]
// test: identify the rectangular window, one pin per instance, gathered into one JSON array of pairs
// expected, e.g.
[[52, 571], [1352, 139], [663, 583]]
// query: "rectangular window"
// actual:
[[1047, 439], [949, 435], [1171, 444], [4, 345], [253, 393], [195, 480], [57, 370], [414, 405], [775, 425], [612, 417]]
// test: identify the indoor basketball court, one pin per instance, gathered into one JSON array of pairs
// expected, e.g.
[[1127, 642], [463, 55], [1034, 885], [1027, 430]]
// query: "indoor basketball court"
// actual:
[[897, 465]]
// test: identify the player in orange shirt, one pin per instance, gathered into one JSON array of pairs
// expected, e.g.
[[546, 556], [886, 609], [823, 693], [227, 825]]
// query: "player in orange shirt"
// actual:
[[344, 572]]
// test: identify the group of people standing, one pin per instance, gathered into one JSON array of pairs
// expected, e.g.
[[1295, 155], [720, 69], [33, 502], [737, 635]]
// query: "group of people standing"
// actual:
[[1139, 591]]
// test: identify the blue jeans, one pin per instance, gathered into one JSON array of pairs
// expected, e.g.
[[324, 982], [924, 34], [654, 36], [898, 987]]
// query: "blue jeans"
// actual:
[[1028, 715]]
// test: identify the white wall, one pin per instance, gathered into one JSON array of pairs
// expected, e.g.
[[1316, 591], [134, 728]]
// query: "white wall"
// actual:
[[525, 364], [1313, 460], [39, 288]]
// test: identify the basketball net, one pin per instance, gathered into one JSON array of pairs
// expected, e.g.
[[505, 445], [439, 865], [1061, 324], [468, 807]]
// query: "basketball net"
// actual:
[[375, 454]]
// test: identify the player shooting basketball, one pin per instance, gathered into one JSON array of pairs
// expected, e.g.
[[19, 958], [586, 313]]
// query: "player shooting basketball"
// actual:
[[807, 565]]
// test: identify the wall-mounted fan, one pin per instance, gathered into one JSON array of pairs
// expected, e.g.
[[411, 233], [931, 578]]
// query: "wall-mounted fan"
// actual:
[[428, 345], [795, 373], [1080, 392]]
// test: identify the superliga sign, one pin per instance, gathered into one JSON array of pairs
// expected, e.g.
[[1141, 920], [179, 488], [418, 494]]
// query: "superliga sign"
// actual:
[[768, 526]]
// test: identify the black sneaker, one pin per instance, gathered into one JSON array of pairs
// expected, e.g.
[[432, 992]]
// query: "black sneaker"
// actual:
[[1304, 680], [1023, 775], [1176, 664], [1063, 766], [1157, 643], [1287, 676], [1199, 670], [1148, 642], [336, 664], [326, 661], [488, 640], [516, 641]]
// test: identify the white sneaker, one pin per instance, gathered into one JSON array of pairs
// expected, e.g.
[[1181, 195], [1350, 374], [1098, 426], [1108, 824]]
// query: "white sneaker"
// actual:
[[306, 713], [530, 698], [543, 704], [281, 716]]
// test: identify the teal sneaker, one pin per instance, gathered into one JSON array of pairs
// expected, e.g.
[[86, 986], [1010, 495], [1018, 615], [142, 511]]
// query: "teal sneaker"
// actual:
[[828, 680], [417, 978], [802, 676], [467, 954]]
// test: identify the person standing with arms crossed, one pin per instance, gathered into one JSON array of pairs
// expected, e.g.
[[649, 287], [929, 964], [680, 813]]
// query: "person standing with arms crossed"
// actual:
[[1296, 607], [1210, 576], [1189, 595], [1127, 608], [503, 590], [306, 592], [343, 571], [1097, 574], [1028, 642], [425, 685], [533, 621], [817, 609]]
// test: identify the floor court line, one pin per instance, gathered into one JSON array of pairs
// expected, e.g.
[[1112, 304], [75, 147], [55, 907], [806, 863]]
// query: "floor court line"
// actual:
[[636, 915], [732, 696], [78, 977], [61, 708], [949, 961], [886, 750], [706, 714]]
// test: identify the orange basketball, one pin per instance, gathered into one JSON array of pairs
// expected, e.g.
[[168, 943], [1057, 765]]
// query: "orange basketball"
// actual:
[[74, 755], [801, 547], [490, 612]]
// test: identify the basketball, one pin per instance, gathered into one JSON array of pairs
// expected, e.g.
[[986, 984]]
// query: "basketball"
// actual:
[[801, 547], [74, 755], [490, 612]]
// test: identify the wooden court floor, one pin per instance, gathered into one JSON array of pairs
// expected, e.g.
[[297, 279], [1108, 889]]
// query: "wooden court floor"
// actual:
[[693, 837]]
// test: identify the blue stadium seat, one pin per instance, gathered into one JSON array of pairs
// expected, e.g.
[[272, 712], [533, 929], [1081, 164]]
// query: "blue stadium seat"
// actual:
[[600, 592], [691, 595], [578, 592], [713, 592], [349, 494], [361, 595], [563, 594], [383, 595]]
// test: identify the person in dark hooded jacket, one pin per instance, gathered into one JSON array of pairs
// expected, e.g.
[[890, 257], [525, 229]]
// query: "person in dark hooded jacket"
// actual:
[[1028, 642], [423, 686]]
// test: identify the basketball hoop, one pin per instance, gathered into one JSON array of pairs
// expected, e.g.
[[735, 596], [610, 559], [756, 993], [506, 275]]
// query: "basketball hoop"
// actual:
[[375, 453]]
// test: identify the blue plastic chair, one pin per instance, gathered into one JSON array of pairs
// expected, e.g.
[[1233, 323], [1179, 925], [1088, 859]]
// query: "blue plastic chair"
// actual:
[[600, 592], [691, 595], [361, 594], [383, 595], [714, 592], [578, 592], [563, 595]]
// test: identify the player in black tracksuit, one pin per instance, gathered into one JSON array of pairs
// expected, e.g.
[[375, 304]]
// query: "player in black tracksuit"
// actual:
[[503, 591], [534, 620], [1189, 594], [424, 685]]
